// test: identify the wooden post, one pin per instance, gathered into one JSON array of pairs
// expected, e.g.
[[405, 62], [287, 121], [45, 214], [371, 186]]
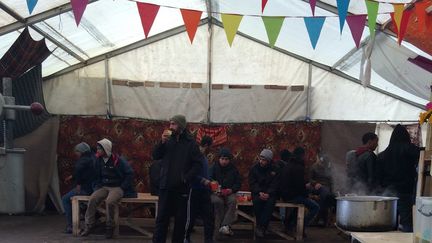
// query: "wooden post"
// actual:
[[300, 223], [75, 216]]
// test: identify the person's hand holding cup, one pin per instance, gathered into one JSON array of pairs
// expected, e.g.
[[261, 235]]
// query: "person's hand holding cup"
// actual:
[[166, 135]]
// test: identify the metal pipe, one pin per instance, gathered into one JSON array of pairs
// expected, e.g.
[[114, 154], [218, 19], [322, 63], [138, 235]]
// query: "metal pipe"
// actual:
[[309, 91], [209, 57], [17, 107], [108, 89], [8, 124]]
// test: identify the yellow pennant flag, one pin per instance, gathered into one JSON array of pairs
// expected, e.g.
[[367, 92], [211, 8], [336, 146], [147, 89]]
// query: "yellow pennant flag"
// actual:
[[398, 13], [231, 23]]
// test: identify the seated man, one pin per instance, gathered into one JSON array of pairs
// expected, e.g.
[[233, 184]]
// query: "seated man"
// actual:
[[114, 178], [320, 184], [225, 201], [263, 183], [293, 188], [83, 177]]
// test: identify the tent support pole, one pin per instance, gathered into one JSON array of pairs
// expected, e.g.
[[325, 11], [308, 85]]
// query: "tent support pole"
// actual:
[[309, 91], [209, 57], [108, 89]]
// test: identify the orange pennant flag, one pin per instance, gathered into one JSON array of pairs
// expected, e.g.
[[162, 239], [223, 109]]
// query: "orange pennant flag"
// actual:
[[397, 15], [191, 20]]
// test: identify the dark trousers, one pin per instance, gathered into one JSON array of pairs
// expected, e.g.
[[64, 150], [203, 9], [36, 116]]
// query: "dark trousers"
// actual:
[[171, 203], [201, 206], [326, 200], [311, 205], [67, 204], [404, 209], [263, 210]]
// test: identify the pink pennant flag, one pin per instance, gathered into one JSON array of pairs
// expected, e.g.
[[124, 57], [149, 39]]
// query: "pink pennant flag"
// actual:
[[147, 14], [78, 8], [356, 24], [312, 5], [263, 5]]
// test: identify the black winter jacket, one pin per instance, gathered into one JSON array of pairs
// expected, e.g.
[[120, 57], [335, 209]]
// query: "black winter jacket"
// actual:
[[228, 177], [264, 179], [122, 169], [84, 173], [292, 183], [181, 162]]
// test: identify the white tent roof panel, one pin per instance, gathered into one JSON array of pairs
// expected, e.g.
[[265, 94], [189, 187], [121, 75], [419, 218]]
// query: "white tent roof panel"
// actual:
[[20, 7]]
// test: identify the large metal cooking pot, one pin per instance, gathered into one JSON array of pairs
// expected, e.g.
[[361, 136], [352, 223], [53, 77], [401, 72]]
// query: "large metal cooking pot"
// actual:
[[366, 213]]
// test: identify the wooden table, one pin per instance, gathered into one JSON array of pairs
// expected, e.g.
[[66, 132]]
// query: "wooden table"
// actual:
[[142, 198], [382, 237], [300, 218]]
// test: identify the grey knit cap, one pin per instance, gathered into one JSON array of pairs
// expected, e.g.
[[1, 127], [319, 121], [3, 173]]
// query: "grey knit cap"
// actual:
[[82, 147], [180, 120], [267, 154]]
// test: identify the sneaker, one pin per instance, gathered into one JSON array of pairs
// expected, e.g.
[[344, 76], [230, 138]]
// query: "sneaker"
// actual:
[[226, 230], [68, 230], [259, 232], [87, 230]]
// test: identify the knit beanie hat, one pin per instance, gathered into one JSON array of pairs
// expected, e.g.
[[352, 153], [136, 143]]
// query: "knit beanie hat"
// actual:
[[225, 152], [267, 154], [82, 147], [180, 120]]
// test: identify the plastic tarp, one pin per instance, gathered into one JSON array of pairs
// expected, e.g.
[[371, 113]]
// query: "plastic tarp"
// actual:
[[335, 98]]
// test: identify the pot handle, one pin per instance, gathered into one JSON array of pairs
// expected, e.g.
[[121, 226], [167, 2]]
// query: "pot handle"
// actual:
[[375, 206], [426, 214]]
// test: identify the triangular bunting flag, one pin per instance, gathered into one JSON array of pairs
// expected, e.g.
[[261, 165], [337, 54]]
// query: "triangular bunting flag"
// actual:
[[397, 15], [314, 26], [273, 26], [231, 23], [420, 8], [342, 6], [356, 24], [191, 20], [78, 8], [147, 14], [312, 5], [31, 4], [403, 26], [263, 5], [372, 10]]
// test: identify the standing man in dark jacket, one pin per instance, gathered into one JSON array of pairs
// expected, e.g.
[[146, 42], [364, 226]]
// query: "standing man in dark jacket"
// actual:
[[362, 171], [83, 177], [200, 197], [263, 183], [293, 188], [396, 172], [181, 163], [114, 179], [225, 201]]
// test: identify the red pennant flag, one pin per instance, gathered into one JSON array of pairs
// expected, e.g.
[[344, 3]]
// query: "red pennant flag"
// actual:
[[147, 14], [356, 24], [78, 8], [401, 31], [191, 19], [420, 8], [263, 5]]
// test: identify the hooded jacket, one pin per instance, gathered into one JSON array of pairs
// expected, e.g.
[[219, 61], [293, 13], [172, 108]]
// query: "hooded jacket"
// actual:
[[228, 177], [292, 182], [364, 168], [122, 172], [84, 172], [264, 179], [181, 162]]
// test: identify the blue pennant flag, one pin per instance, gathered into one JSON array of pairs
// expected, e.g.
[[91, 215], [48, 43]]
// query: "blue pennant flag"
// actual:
[[342, 6], [31, 4], [314, 26]]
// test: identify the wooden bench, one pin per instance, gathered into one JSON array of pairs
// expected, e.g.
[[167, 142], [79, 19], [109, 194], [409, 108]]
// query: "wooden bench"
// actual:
[[300, 218], [142, 198]]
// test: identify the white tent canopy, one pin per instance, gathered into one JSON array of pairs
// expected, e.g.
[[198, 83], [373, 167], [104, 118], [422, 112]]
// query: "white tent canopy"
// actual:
[[105, 64]]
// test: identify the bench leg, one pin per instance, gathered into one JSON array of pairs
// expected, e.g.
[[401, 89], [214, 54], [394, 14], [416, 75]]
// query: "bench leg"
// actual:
[[116, 221], [300, 223], [75, 216]]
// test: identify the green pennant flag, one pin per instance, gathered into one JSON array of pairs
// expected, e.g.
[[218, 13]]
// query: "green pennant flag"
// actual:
[[231, 23], [273, 27], [372, 9]]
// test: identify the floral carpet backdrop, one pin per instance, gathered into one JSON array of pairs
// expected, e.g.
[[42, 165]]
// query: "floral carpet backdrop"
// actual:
[[135, 140]]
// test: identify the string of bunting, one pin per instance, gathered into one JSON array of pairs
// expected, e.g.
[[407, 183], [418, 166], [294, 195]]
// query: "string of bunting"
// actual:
[[273, 24]]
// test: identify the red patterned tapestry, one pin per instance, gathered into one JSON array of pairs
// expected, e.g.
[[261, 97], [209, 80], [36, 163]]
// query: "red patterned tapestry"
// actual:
[[135, 140]]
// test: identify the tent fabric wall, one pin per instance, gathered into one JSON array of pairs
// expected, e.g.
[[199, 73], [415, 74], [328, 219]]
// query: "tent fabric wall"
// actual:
[[40, 165], [335, 98]]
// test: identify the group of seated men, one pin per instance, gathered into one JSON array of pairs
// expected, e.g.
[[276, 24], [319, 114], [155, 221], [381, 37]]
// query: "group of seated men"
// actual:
[[185, 182]]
